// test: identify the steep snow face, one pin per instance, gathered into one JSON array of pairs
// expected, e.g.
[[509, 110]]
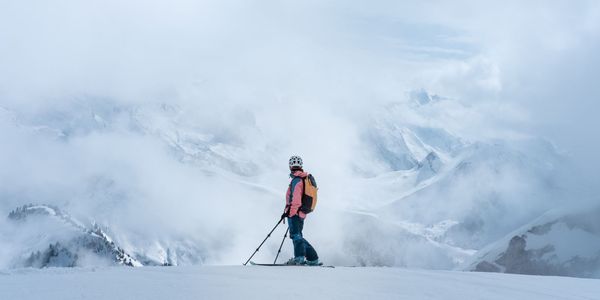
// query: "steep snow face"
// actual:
[[401, 138], [558, 243], [400, 147]]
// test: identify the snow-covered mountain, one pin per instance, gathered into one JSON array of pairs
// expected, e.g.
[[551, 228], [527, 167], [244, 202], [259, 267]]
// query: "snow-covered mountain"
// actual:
[[422, 194], [449, 196], [564, 243], [66, 253], [68, 242]]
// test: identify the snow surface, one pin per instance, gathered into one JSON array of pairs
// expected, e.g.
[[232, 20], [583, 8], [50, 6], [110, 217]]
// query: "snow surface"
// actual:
[[254, 282]]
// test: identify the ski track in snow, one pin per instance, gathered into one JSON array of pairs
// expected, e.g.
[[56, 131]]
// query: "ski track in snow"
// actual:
[[256, 282]]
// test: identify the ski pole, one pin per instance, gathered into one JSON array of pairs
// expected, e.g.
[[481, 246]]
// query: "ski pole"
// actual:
[[268, 235], [279, 251]]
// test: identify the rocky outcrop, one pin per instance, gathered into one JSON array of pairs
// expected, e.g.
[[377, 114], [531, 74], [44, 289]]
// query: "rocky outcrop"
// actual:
[[429, 166]]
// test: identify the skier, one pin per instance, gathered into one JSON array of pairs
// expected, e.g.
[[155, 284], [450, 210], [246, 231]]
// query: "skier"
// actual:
[[304, 253]]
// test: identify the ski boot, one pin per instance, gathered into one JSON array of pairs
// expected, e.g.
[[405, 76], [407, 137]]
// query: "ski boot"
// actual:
[[296, 261]]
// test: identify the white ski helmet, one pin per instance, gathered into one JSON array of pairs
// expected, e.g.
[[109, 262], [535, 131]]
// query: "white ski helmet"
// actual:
[[295, 161]]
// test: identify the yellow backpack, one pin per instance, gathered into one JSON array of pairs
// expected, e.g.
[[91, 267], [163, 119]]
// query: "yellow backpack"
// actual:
[[309, 197]]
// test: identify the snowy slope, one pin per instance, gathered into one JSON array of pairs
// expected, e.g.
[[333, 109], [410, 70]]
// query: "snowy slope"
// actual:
[[238, 282]]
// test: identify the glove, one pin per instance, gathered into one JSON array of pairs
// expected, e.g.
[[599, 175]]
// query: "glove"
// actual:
[[284, 215]]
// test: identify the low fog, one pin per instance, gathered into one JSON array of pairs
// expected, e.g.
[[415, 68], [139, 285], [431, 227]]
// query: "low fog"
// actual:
[[170, 123]]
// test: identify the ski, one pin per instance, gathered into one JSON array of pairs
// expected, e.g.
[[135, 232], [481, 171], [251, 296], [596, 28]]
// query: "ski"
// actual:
[[286, 265]]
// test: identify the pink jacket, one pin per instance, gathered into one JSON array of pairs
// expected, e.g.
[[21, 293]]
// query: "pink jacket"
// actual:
[[293, 197]]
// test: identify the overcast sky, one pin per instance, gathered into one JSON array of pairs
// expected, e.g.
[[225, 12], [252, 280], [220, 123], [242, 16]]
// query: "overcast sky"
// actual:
[[530, 67]]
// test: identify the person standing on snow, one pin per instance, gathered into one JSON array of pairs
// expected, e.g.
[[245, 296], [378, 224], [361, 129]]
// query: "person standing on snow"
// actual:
[[304, 253]]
